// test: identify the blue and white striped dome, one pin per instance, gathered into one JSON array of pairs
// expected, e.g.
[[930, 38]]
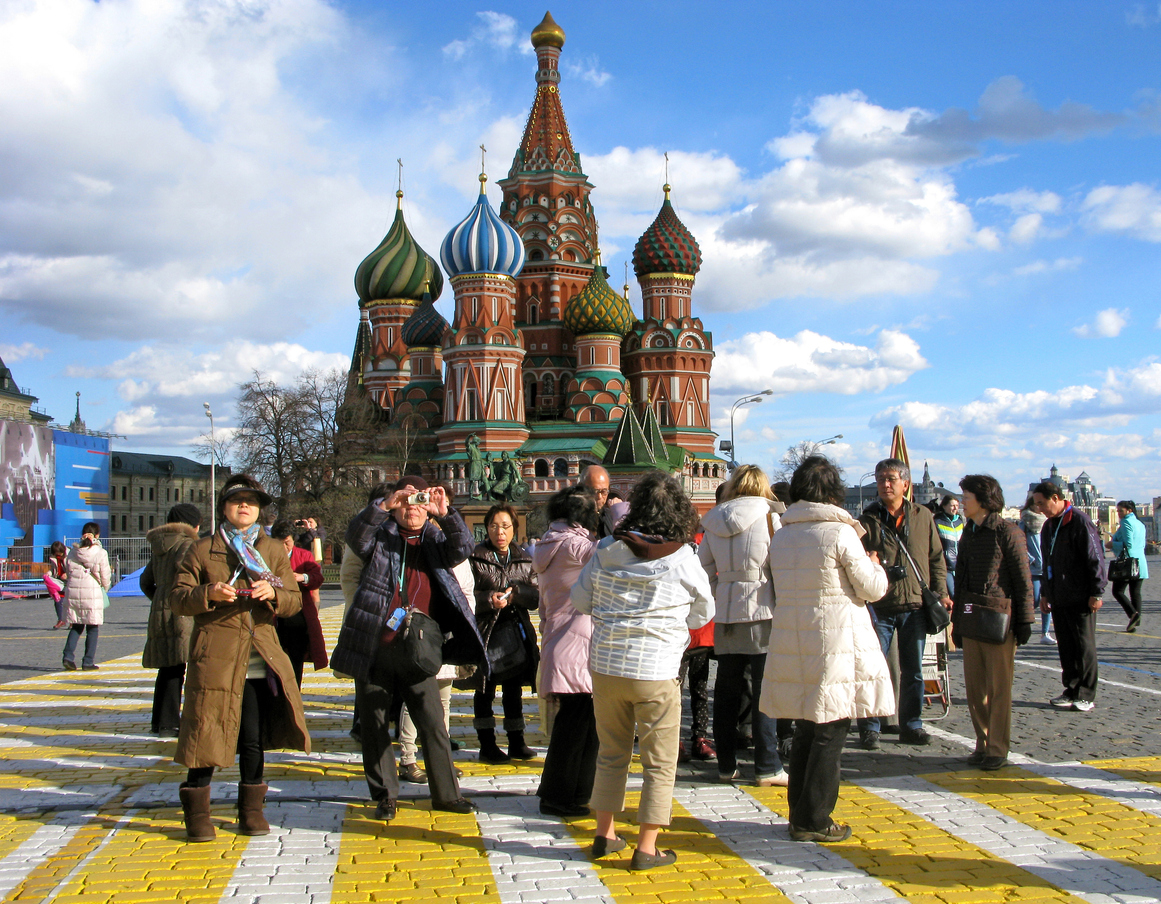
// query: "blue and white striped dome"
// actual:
[[482, 243]]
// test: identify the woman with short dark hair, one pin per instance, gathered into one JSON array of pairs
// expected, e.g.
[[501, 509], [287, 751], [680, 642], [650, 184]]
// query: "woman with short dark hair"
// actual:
[[645, 591], [824, 665], [991, 575]]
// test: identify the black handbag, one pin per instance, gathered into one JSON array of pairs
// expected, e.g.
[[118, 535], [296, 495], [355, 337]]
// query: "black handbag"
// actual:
[[506, 647], [982, 618], [1124, 568], [420, 646], [934, 612]]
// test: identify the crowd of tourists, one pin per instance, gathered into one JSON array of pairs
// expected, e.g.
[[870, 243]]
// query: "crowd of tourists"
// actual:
[[797, 600]]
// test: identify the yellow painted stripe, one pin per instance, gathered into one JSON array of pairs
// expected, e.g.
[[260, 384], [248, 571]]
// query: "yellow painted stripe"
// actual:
[[419, 855], [1146, 769], [1090, 821], [706, 869], [15, 830], [920, 861]]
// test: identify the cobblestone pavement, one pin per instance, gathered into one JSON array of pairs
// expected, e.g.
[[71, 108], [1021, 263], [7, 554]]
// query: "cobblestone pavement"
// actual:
[[89, 810]]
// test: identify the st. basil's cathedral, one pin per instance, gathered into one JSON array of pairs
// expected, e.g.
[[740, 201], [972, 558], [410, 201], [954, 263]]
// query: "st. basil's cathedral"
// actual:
[[543, 364]]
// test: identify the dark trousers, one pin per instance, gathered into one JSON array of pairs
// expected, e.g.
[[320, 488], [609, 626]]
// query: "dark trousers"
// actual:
[[373, 699], [570, 765], [695, 667], [815, 768], [295, 642], [92, 634], [1076, 645], [256, 702], [1131, 602], [727, 701], [512, 696], [912, 630], [167, 698]]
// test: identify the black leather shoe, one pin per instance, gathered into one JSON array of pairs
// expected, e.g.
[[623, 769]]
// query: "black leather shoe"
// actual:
[[603, 845], [459, 805], [642, 861], [869, 740], [992, 763], [565, 811], [918, 736], [976, 758], [385, 810]]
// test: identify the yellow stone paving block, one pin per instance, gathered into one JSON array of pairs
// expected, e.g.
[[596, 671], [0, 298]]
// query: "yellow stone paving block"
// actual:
[[1090, 821], [15, 830], [419, 854], [1145, 769], [917, 860], [706, 868]]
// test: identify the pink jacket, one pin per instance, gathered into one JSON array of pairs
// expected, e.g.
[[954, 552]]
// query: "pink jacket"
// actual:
[[565, 633]]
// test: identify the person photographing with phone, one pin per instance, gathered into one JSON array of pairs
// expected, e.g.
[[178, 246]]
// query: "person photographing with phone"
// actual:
[[408, 616]]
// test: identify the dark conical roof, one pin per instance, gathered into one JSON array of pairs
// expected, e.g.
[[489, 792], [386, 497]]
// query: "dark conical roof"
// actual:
[[666, 246], [425, 327], [652, 431], [629, 445]]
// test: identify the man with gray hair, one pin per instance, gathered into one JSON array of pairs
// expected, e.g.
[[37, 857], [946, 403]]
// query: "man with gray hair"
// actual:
[[892, 523], [596, 479]]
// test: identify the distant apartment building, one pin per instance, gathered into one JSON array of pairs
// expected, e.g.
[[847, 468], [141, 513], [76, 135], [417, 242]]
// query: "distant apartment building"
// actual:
[[143, 488]]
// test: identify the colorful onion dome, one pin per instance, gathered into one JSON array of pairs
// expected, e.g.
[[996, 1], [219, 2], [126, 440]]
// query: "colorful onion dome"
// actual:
[[425, 327], [667, 246], [398, 268], [598, 309], [482, 243], [548, 32]]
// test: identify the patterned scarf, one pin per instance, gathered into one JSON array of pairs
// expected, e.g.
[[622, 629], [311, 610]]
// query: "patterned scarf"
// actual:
[[242, 542]]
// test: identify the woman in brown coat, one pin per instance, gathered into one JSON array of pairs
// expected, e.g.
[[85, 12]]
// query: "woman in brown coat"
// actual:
[[167, 635], [505, 588], [240, 694], [991, 573]]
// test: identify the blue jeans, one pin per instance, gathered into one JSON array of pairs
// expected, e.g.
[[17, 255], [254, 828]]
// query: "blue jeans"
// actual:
[[1045, 617], [70, 649], [727, 702], [912, 629]]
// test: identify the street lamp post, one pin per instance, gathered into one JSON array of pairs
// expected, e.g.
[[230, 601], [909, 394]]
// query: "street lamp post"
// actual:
[[213, 482], [829, 441], [861, 479], [744, 400]]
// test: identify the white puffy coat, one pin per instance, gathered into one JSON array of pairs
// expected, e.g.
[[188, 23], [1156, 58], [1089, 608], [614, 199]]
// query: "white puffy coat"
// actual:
[[88, 569], [735, 555], [824, 662]]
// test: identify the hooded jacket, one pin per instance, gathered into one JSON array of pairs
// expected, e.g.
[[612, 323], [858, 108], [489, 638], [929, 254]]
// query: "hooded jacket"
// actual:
[[1074, 560], [644, 595], [1031, 522], [88, 575], [824, 662], [565, 632], [167, 635], [1130, 539], [734, 553]]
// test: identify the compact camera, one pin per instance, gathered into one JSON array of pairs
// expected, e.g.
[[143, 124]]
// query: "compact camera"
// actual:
[[421, 498], [300, 523], [895, 573]]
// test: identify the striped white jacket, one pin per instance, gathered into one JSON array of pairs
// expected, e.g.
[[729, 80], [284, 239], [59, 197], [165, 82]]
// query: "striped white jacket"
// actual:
[[642, 609]]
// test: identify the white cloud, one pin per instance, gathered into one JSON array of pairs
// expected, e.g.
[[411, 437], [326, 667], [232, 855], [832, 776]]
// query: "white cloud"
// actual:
[[1026, 228], [1025, 200], [587, 68], [1043, 266], [1106, 325], [496, 31], [12, 353], [1132, 209], [628, 182], [810, 362], [1143, 15]]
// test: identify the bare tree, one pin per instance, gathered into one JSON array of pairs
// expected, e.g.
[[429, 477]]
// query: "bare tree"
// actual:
[[400, 440], [785, 467]]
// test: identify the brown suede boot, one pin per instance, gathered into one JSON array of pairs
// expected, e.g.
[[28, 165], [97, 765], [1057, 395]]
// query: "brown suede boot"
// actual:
[[251, 821], [195, 804]]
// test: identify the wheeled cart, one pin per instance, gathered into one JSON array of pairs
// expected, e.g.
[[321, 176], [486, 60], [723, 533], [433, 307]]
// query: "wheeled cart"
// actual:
[[936, 688]]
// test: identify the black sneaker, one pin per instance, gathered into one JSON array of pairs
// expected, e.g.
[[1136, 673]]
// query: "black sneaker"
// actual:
[[869, 740], [385, 810], [833, 833], [917, 736], [564, 811]]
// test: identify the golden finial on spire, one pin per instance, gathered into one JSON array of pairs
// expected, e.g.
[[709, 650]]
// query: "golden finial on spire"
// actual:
[[548, 32], [665, 187], [483, 175], [626, 280], [399, 185]]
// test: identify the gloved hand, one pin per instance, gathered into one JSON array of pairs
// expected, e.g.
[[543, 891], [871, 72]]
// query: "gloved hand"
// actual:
[[1023, 633]]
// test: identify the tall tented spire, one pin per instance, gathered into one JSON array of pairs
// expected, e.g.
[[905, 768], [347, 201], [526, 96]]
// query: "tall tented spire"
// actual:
[[652, 431], [629, 445], [547, 144]]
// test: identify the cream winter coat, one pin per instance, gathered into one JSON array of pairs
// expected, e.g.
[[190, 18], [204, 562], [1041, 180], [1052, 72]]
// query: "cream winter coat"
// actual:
[[824, 662], [734, 553], [88, 575]]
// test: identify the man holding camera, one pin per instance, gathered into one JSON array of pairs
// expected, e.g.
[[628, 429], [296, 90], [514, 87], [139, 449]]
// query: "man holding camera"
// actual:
[[894, 523], [311, 537], [408, 568]]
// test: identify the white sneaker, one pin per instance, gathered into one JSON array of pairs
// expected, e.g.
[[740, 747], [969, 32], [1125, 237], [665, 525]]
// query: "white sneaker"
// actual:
[[1083, 706], [1047, 639], [779, 778], [1063, 701]]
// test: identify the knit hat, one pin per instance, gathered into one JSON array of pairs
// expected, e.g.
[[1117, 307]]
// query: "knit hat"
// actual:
[[185, 513]]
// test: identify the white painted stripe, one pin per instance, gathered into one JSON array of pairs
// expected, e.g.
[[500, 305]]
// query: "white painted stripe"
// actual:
[[1103, 681], [296, 861], [1067, 866], [805, 873], [87, 468], [533, 855], [38, 847]]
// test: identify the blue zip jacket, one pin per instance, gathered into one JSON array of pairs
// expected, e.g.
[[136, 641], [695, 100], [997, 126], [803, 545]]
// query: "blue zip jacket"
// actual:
[[1130, 536]]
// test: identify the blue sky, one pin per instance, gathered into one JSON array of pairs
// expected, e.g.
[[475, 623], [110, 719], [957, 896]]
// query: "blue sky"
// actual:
[[941, 215]]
